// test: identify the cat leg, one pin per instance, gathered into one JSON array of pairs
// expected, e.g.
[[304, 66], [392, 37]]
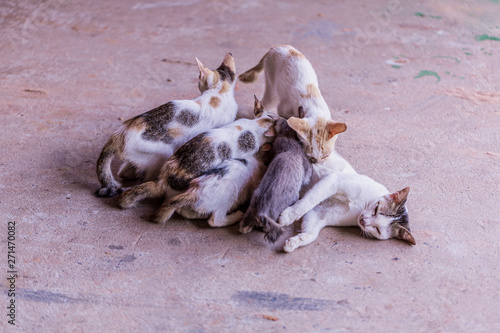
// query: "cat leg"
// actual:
[[222, 220], [191, 214], [321, 191], [166, 211], [128, 171], [140, 192], [311, 226]]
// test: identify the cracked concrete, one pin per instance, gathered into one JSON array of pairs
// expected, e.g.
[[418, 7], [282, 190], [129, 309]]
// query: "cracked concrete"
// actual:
[[417, 83]]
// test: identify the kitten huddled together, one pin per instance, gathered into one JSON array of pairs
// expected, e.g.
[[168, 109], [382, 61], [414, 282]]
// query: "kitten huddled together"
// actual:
[[206, 164]]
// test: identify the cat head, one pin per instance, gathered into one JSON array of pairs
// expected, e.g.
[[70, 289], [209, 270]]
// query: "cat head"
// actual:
[[221, 78], [319, 139], [387, 217]]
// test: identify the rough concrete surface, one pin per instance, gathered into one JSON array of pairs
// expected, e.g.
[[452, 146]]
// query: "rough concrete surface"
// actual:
[[417, 83]]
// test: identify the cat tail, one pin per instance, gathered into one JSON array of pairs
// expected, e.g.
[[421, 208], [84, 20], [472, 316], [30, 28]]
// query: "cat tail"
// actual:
[[109, 186], [252, 74], [272, 229], [168, 209]]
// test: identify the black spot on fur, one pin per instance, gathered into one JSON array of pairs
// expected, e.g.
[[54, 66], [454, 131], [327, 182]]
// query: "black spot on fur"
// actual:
[[224, 151], [178, 183], [167, 138], [245, 162], [225, 73], [221, 172], [195, 156], [246, 141], [401, 216], [187, 118], [157, 121]]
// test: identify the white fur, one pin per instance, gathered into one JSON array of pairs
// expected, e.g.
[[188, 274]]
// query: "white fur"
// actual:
[[218, 196], [287, 77], [150, 155], [338, 199]]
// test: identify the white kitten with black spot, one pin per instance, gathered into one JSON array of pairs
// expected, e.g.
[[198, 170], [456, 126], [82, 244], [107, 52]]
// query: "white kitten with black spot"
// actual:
[[348, 199]]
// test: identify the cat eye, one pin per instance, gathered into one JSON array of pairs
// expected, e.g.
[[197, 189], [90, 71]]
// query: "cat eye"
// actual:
[[376, 208], [378, 230]]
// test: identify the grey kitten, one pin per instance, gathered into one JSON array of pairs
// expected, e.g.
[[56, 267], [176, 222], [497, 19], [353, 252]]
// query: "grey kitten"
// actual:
[[289, 170]]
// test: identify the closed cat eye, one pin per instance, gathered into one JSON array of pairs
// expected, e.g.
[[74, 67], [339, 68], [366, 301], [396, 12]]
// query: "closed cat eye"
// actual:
[[376, 208], [378, 230]]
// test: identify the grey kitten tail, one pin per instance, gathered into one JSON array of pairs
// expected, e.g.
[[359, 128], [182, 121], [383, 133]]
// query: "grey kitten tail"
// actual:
[[109, 186], [272, 229]]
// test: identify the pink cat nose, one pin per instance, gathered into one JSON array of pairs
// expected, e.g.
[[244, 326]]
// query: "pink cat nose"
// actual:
[[362, 222]]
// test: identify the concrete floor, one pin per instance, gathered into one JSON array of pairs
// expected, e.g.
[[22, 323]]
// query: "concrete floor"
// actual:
[[418, 84]]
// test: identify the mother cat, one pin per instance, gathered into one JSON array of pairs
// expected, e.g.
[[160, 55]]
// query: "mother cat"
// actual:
[[291, 83]]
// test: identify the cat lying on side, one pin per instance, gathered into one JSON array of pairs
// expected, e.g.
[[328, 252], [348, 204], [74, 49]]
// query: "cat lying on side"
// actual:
[[348, 199], [238, 140], [146, 141], [289, 170], [219, 192]]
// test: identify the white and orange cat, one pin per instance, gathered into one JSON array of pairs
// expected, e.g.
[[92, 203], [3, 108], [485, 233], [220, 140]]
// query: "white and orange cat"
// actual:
[[146, 141], [290, 82], [292, 85]]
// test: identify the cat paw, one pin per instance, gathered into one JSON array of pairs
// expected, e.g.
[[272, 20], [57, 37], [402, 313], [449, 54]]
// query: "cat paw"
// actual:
[[246, 229], [157, 219], [287, 217], [108, 192], [125, 201], [291, 244]]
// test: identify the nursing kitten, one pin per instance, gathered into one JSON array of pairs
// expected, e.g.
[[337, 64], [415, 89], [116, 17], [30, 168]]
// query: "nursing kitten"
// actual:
[[318, 138], [290, 82], [220, 191], [206, 151], [146, 141], [289, 170], [348, 199]]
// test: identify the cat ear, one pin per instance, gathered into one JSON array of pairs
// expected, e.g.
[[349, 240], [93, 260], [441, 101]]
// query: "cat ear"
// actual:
[[258, 108], [229, 62], [400, 196], [401, 232], [270, 132], [301, 126], [333, 128], [204, 70], [266, 147], [301, 112]]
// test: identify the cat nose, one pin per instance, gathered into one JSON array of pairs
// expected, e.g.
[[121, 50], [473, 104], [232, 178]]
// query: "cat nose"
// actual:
[[362, 221], [313, 160]]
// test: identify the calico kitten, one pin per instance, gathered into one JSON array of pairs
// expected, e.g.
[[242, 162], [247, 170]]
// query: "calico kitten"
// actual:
[[205, 152], [220, 191], [146, 141], [290, 82], [289, 170], [349, 199]]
